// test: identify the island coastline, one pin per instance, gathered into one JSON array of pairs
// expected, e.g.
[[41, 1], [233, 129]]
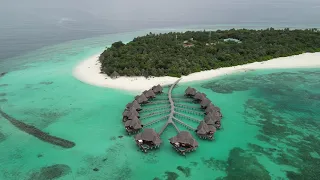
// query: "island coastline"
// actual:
[[88, 71]]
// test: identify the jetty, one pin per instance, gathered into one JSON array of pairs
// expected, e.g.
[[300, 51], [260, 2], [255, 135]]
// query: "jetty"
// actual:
[[33, 131], [172, 109]]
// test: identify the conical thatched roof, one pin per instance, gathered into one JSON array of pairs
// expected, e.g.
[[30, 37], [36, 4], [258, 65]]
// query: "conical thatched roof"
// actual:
[[141, 99], [115, 74], [131, 116], [211, 109], [184, 137], [205, 102], [130, 112], [190, 91], [209, 120], [135, 123], [149, 93], [199, 96], [212, 128], [203, 128], [157, 89], [214, 116], [136, 104], [149, 135]]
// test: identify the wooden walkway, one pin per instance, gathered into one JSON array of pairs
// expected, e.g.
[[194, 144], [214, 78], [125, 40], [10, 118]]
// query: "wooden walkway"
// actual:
[[155, 108], [155, 121], [158, 102], [154, 114], [184, 124], [187, 106], [183, 100], [171, 110], [188, 117], [189, 111]]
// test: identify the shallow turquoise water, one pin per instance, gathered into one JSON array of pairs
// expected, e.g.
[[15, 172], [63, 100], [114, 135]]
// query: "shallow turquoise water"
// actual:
[[270, 124]]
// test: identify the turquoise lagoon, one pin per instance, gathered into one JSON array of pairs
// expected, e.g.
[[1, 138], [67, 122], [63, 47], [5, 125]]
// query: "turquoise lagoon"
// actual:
[[270, 125]]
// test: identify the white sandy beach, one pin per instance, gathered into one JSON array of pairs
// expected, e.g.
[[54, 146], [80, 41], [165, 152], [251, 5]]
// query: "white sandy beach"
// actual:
[[88, 71]]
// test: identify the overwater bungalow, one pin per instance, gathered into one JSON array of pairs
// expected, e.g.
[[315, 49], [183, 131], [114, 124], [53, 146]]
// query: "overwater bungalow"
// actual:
[[134, 105], [183, 142], [190, 92], [157, 89], [148, 139], [130, 111], [205, 103], [213, 120], [130, 114], [149, 94], [198, 97], [141, 99], [133, 125], [213, 109], [204, 131]]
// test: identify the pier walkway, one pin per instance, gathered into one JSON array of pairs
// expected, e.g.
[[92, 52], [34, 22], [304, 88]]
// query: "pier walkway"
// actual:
[[171, 110], [184, 124], [155, 121], [167, 105]]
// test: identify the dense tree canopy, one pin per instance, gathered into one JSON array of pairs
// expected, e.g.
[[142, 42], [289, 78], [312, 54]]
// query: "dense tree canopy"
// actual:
[[176, 54]]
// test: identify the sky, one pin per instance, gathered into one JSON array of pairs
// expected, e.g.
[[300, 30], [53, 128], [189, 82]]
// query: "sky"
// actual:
[[38, 23], [221, 11]]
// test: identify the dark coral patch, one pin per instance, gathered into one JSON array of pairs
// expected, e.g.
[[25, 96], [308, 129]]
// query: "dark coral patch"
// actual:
[[51, 172], [214, 164], [2, 137], [171, 175], [3, 100], [46, 82], [242, 165], [4, 85], [185, 170]]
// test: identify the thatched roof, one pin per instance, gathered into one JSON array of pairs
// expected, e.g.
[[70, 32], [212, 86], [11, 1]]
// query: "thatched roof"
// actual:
[[184, 137], [212, 108], [149, 93], [199, 96], [149, 135], [135, 123], [157, 89], [203, 128], [205, 102], [141, 99], [130, 112], [190, 91], [209, 120], [115, 74], [212, 116], [136, 104], [212, 128]]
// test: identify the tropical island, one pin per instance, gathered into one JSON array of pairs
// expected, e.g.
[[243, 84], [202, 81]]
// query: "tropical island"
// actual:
[[178, 54], [162, 59]]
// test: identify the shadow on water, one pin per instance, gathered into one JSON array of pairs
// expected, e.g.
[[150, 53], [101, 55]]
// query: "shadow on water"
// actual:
[[37, 132]]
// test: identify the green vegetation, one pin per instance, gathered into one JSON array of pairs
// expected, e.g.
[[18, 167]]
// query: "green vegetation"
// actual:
[[176, 54]]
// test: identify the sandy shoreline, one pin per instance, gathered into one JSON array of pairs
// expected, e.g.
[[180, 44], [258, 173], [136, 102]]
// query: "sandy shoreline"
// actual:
[[88, 71]]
